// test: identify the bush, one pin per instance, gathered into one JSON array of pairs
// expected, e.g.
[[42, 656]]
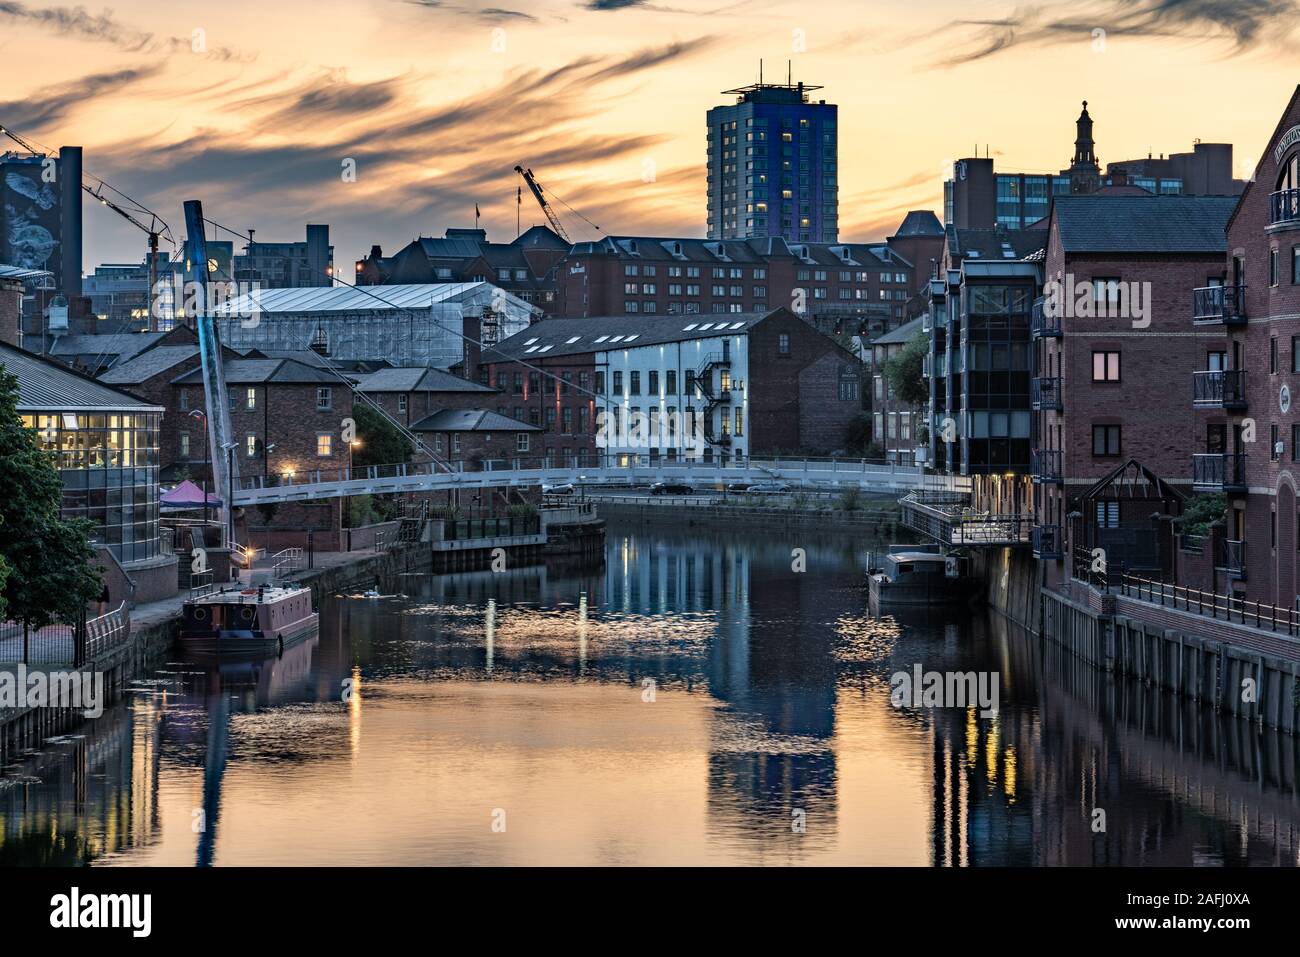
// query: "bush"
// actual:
[[1200, 511], [851, 499]]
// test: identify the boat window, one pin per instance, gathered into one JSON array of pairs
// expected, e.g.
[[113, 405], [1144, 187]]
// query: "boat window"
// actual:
[[904, 567]]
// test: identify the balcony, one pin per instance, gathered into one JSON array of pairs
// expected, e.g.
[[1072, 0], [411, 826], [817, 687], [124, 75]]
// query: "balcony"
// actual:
[[947, 517], [1219, 390], [1219, 472], [1047, 466], [1045, 394], [1048, 541], [1230, 557], [1219, 305], [1042, 325], [1284, 207]]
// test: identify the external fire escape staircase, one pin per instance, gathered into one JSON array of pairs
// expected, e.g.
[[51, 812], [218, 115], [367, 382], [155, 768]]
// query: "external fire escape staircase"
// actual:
[[714, 396]]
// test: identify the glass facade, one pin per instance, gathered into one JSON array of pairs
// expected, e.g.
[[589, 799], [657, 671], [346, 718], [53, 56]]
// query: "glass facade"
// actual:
[[108, 463]]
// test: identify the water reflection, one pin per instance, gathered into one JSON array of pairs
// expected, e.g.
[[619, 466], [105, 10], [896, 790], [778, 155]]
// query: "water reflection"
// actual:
[[694, 701]]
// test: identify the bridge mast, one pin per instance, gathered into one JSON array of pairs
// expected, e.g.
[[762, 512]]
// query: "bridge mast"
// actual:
[[225, 467]]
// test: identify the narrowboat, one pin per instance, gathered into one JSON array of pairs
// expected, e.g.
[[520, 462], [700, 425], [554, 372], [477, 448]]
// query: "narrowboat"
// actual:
[[253, 621], [919, 575]]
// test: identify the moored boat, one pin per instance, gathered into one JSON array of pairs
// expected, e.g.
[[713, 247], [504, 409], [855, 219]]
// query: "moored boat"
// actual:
[[919, 575], [252, 621]]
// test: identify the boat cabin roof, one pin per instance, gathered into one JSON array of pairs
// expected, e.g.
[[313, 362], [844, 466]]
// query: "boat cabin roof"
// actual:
[[235, 596], [917, 557]]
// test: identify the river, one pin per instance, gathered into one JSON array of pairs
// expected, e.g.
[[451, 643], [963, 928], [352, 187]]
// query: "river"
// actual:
[[702, 699]]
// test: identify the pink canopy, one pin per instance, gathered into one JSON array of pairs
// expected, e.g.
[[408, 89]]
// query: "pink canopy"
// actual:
[[187, 495]]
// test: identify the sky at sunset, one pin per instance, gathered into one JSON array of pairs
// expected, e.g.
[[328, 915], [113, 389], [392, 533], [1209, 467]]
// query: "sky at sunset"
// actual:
[[605, 99]]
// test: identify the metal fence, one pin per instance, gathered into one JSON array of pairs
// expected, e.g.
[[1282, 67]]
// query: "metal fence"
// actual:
[[65, 644]]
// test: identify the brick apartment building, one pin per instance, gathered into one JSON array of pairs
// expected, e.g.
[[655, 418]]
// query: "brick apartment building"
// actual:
[[893, 422], [1113, 356], [288, 418], [409, 395], [747, 384], [863, 285], [1253, 297], [527, 266]]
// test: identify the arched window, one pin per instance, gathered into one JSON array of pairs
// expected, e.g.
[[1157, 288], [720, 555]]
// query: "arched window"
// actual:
[[1289, 178]]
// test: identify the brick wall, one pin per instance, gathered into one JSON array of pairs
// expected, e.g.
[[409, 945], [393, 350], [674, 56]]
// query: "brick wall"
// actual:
[[11, 305]]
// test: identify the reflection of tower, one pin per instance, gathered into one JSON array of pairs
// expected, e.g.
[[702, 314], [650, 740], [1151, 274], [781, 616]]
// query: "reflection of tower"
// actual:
[[771, 760], [1085, 171]]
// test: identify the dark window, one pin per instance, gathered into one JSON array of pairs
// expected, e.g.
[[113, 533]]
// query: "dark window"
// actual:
[[1272, 267], [1295, 265], [618, 383], [1105, 367], [600, 383], [654, 383], [1295, 442], [783, 344], [634, 387], [1272, 355], [1105, 440], [1273, 452], [1108, 514]]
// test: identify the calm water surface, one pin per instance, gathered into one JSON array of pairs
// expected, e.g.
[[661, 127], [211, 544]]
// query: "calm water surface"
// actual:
[[694, 701]]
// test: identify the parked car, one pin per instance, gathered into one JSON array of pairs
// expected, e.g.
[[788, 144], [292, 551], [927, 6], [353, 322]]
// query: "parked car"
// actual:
[[671, 488], [565, 489], [768, 488], [739, 487]]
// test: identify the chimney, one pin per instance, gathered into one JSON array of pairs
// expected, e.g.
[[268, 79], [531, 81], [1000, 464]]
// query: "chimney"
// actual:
[[69, 172]]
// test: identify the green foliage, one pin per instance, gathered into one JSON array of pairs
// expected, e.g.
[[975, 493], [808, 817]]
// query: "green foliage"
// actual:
[[522, 510], [1200, 511], [48, 575], [381, 442], [851, 499], [903, 371], [858, 435]]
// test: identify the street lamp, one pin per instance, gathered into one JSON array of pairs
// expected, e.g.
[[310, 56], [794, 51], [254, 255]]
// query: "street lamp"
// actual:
[[229, 449]]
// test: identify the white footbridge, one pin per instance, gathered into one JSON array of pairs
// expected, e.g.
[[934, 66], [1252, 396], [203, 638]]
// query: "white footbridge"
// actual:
[[798, 473]]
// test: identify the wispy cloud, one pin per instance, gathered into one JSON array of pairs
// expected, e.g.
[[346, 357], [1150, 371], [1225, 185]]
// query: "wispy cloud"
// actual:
[[77, 22], [49, 106], [1241, 25], [483, 14]]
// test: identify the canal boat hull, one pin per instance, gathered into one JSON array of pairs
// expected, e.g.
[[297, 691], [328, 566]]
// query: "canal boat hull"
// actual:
[[918, 575], [247, 624]]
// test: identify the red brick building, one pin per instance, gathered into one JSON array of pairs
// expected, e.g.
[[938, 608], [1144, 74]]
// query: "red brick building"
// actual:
[[288, 418], [867, 285], [1114, 360], [1253, 296], [527, 266], [409, 395]]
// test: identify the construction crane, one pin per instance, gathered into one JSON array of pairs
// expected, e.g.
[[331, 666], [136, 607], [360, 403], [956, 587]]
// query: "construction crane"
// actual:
[[536, 189], [97, 191]]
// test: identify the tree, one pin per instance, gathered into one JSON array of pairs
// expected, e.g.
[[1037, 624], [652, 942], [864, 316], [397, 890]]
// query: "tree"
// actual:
[[381, 442], [858, 434], [903, 371], [47, 558]]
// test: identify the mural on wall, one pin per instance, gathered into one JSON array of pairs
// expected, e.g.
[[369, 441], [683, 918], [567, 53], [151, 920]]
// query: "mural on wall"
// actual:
[[31, 222]]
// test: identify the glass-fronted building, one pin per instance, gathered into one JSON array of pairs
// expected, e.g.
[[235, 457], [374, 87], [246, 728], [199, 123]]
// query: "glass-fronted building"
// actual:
[[105, 445]]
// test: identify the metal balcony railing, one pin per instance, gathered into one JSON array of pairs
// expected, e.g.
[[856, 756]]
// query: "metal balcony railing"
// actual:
[[1047, 465], [1230, 557], [1284, 207], [1224, 389], [1045, 393], [1041, 323], [1212, 305], [1219, 472], [1048, 542]]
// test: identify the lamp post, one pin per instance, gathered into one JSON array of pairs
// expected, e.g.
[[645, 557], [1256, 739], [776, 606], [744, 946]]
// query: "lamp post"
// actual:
[[203, 453], [229, 449]]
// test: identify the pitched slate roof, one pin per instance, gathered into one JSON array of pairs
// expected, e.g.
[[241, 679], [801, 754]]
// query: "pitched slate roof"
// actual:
[[122, 345], [561, 337], [920, 222], [417, 379], [471, 420], [720, 252], [148, 364], [44, 385], [902, 335], [18, 273], [1009, 244], [1143, 224], [254, 371]]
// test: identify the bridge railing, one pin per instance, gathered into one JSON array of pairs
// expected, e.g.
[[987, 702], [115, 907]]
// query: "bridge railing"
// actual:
[[603, 464]]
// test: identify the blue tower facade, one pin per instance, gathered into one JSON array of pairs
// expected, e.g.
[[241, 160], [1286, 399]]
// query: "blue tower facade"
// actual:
[[773, 165]]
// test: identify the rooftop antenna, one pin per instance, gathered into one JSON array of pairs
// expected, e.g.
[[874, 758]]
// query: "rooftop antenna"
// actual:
[[760, 71], [789, 73]]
